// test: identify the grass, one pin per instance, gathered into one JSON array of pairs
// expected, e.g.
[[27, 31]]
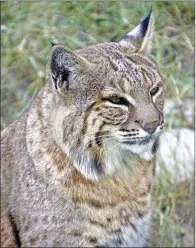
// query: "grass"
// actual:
[[27, 29], [173, 214]]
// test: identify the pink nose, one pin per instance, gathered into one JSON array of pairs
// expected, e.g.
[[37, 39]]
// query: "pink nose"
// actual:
[[150, 127]]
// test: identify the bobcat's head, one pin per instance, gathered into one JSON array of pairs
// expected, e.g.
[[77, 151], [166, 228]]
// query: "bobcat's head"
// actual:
[[109, 101]]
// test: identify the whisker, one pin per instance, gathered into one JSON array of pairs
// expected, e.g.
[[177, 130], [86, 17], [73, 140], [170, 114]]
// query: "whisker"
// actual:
[[135, 138], [129, 135]]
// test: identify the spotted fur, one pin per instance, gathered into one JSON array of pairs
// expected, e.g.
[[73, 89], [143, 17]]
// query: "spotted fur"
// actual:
[[78, 167]]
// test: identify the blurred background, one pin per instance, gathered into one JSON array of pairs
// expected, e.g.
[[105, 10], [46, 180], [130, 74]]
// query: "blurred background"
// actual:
[[27, 28]]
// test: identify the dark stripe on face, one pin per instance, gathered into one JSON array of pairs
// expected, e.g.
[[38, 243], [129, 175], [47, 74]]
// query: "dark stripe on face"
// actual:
[[88, 112], [98, 139], [94, 120], [99, 134], [139, 141], [90, 144], [130, 134], [111, 121], [84, 127], [101, 126]]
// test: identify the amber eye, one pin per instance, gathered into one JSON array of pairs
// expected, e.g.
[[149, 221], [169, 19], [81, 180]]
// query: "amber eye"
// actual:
[[118, 100], [154, 91]]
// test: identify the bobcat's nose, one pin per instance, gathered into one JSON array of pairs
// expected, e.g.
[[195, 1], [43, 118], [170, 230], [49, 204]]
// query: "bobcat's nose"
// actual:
[[150, 127]]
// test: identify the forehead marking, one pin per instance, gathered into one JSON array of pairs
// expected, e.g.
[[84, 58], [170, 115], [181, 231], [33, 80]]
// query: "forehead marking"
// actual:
[[140, 60], [149, 75], [125, 85], [147, 79]]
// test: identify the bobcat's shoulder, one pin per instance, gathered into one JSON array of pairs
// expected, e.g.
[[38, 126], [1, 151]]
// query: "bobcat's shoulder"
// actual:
[[78, 167]]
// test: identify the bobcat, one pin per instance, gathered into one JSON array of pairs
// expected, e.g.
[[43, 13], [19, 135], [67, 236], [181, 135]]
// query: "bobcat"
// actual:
[[77, 168]]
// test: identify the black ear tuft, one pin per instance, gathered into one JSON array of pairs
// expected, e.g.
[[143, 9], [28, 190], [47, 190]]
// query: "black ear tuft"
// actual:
[[140, 38], [145, 22]]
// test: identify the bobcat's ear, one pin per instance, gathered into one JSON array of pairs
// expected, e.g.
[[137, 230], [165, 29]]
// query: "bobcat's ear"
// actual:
[[140, 38], [65, 65]]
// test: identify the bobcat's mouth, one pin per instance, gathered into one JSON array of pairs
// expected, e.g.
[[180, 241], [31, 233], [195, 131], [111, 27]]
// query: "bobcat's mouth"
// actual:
[[141, 145], [140, 140], [144, 140], [137, 140]]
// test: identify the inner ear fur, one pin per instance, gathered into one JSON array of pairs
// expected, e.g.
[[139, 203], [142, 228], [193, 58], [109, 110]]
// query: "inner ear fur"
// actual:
[[65, 64]]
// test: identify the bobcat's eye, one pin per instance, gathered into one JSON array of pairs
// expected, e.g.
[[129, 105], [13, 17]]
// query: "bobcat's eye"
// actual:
[[154, 91], [118, 100]]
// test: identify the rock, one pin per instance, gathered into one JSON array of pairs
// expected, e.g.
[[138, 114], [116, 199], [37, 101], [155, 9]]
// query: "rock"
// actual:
[[175, 157], [179, 114]]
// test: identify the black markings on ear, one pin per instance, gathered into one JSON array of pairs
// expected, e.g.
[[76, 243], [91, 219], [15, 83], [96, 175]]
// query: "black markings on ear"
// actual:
[[145, 22], [66, 66], [55, 81], [141, 36], [59, 69], [65, 77]]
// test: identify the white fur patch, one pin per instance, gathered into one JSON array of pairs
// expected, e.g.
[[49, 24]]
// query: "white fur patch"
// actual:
[[112, 157], [143, 151], [116, 105], [118, 155], [156, 95], [135, 32], [138, 239], [131, 100]]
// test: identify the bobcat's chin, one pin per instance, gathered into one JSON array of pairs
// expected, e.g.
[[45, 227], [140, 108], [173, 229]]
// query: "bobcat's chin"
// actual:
[[118, 156], [145, 148], [115, 156]]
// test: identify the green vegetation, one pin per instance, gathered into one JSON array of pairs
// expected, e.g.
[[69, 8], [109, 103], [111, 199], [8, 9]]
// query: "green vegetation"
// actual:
[[29, 27]]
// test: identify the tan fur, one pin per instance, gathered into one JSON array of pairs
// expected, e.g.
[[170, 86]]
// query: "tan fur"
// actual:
[[78, 167]]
